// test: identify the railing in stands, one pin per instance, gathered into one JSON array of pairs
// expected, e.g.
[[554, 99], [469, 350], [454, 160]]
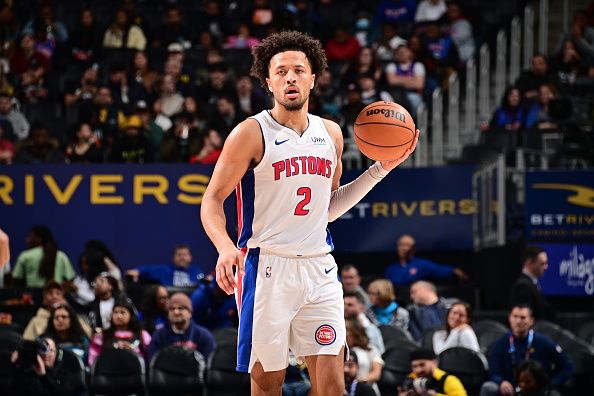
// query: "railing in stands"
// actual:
[[437, 128], [500, 68], [528, 38], [453, 148], [470, 125], [515, 42], [543, 26], [484, 83]]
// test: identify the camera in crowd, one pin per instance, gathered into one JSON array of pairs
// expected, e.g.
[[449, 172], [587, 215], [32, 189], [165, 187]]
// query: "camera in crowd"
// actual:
[[418, 386], [30, 349]]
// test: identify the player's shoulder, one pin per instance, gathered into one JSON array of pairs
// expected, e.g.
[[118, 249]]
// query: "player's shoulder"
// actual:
[[249, 126]]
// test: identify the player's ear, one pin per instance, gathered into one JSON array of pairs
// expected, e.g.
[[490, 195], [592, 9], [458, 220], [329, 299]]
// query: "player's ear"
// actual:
[[313, 81]]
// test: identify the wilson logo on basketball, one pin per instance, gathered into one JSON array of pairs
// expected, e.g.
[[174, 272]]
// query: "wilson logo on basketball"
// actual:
[[325, 335], [388, 113]]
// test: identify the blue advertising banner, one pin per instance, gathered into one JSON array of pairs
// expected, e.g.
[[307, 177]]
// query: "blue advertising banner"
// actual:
[[560, 205], [140, 211], [571, 270], [434, 205]]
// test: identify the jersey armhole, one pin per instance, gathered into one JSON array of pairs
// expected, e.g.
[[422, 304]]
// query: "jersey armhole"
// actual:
[[265, 148], [331, 139]]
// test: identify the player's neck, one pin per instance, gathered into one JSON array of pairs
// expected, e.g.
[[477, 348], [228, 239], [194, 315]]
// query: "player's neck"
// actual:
[[295, 120]]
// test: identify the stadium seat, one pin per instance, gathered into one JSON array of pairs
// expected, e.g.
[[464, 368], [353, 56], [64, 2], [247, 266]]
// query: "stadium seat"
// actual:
[[9, 340], [488, 331], [393, 336], [118, 372], [221, 377], [73, 363], [586, 332], [550, 329], [176, 370], [581, 355], [427, 339], [6, 369], [396, 367], [468, 365]]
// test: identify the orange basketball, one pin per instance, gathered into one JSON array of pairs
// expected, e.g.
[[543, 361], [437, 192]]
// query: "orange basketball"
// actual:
[[384, 130]]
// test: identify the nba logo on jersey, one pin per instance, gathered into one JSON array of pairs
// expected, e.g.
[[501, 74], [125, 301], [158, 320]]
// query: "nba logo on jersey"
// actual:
[[268, 272], [318, 140], [325, 335]]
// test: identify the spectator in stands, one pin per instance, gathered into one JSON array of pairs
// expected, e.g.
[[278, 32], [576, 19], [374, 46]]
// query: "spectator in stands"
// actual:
[[84, 146], [16, 119], [581, 35], [153, 310], [182, 141], [39, 148], [351, 282], [242, 39], [262, 16], [215, 87], [457, 332], [125, 332], [365, 63], [9, 30], [212, 147], [64, 327], [106, 289], [42, 261], [181, 273], [170, 99], [213, 308], [31, 66], [354, 387], [530, 80], [52, 297], [85, 39], [7, 149], [142, 78], [510, 115], [354, 308], [4, 249], [520, 345], [82, 93], [351, 108], [342, 47], [383, 309], [182, 331], [46, 19], [460, 30], [132, 146], [173, 29], [122, 33], [538, 115], [95, 259], [369, 358], [407, 74], [325, 90], [251, 101], [153, 130], [105, 116], [174, 67], [428, 311], [532, 380], [440, 56], [370, 92], [430, 10], [49, 376], [526, 290], [569, 64], [117, 81], [409, 268], [388, 42], [226, 116], [212, 20], [423, 363]]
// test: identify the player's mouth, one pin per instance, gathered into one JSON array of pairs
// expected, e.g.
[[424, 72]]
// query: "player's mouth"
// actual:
[[292, 92]]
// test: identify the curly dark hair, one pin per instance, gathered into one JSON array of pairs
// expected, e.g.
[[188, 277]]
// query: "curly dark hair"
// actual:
[[287, 41]]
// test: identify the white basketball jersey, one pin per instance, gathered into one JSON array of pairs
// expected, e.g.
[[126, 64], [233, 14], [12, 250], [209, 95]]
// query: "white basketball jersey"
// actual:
[[283, 201]]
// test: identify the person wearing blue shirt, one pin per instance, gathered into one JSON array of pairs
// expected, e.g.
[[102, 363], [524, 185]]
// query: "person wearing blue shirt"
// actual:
[[521, 344], [213, 308], [180, 273], [410, 269]]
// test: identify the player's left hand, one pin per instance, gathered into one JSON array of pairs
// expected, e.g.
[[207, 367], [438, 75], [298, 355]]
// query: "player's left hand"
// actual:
[[389, 165]]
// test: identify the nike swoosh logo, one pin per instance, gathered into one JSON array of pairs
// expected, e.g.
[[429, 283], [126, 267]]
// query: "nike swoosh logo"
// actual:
[[281, 142], [327, 271]]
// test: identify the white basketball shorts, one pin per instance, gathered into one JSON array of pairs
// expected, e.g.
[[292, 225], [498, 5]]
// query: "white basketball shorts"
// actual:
[[288, 303]]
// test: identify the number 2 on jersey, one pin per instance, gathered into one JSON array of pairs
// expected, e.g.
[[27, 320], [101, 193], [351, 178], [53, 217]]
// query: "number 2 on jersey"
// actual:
[[300, 208]]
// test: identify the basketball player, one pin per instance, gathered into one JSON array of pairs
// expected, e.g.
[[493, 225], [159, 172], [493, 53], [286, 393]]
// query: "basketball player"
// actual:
[[286, 165]]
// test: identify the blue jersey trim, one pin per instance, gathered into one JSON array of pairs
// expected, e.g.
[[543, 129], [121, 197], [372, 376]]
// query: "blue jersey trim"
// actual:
[[246, 319], [329, 240], [247, 207]]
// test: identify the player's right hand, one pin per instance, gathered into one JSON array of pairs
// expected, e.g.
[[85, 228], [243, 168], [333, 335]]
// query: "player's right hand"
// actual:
[[229, 258]]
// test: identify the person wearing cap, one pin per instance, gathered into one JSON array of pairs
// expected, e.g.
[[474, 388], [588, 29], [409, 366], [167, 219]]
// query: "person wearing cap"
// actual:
[[106, 289], [52, 296], [132, 146], [182, 331], [352, 386], [427, 379], [173, 30]]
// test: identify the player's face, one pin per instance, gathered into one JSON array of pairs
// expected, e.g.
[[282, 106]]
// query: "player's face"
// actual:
[[290, 79]]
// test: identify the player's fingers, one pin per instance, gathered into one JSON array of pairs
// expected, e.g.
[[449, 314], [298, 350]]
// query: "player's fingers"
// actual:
[[223, 280], [240, 264], [230, 278]]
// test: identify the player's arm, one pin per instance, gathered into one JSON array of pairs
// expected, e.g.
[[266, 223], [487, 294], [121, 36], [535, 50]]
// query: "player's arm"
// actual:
[[243, 147], [345, 197]]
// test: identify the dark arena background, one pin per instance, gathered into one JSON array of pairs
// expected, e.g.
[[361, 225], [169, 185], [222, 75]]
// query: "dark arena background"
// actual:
[[114, 113]]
